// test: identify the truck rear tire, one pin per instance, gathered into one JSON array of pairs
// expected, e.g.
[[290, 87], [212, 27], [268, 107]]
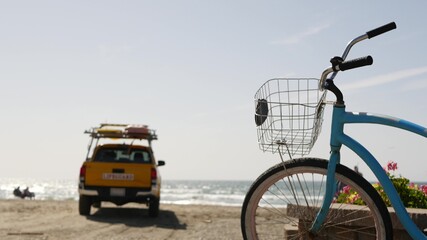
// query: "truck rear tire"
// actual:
[[84, 205], [153, 208]]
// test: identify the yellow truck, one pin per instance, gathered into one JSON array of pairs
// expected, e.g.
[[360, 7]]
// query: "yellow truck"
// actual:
[[120, 168]]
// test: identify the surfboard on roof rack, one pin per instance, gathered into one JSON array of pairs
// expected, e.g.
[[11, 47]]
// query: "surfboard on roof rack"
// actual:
[[124, 131]]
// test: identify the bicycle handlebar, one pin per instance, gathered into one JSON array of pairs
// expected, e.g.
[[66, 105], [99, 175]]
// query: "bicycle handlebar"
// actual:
[[381, 30], [354, 63]]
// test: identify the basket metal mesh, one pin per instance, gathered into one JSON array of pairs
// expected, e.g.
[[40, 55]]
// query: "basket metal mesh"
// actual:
[[289, 114]]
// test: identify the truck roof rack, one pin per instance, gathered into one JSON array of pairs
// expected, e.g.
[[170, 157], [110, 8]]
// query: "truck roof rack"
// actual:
[[123, 131]]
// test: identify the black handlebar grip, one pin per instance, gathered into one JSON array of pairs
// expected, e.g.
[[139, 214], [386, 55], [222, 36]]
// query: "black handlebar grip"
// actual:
[[381, 30], [355, 63]]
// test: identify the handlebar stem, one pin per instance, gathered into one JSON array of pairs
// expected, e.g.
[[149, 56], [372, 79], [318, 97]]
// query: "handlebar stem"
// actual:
[[336, 91]]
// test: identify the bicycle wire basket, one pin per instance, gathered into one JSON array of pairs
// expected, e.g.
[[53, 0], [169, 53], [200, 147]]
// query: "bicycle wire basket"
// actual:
[[289, 115]]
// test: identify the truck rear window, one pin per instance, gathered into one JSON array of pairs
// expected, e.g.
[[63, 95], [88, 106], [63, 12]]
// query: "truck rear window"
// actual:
[[122, 155]]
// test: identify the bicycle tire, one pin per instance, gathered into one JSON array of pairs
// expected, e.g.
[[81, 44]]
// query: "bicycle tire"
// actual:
[[263, 215]]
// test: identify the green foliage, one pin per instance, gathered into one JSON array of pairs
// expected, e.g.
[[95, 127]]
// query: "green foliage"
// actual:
[[412, 195]]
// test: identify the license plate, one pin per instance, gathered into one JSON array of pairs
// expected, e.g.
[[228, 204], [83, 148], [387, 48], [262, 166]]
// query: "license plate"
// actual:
[[117, 192], [118, 176]]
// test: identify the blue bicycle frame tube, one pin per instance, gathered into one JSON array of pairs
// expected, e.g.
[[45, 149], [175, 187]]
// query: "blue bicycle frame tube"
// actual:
[[338, 138], [329, 192]]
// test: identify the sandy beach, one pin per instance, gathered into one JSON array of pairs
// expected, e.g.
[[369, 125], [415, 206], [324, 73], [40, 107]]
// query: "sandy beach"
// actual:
[[35, 219]]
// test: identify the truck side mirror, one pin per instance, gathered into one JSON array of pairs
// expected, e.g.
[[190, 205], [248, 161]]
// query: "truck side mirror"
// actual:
[[161, 163]]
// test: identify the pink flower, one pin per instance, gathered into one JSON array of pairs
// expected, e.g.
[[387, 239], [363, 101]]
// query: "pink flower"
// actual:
[[346, 190], [391, 166], [423, 188]]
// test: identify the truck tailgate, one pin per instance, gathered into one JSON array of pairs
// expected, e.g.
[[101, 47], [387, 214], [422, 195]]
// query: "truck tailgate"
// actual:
[[118, 174]]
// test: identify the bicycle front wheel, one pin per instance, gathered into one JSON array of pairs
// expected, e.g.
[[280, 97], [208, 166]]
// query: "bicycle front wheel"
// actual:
[[283, 202]]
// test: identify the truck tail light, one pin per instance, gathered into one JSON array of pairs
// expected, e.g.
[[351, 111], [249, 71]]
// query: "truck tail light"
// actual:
[[153, 176], [82, 173]]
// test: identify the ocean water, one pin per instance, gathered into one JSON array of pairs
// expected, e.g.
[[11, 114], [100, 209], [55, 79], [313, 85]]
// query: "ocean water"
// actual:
[[226, 193]]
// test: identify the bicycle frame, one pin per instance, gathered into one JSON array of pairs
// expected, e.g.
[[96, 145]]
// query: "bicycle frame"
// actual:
[[338, 138]]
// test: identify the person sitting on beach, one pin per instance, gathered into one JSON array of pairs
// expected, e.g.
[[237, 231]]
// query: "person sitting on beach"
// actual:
[[17, 192], [27, 193]]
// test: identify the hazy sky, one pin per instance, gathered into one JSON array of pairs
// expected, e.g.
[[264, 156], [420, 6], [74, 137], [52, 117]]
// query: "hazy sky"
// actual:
[[190, 70]]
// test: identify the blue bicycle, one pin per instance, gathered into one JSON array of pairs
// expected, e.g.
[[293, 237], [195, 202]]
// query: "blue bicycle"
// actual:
[[302, 192]]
